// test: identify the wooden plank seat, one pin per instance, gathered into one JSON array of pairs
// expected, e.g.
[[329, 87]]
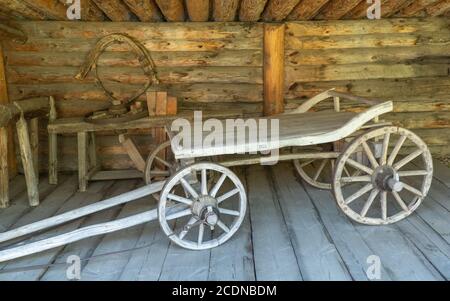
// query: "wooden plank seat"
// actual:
[[298, 129]]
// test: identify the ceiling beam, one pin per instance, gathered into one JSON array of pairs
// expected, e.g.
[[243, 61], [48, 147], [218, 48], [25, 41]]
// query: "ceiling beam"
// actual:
[[225, 10], [145, 10], [198, 10], [53, 10], [19, 7], [89, 11], [251, 10], [7, 32], [391, 7], [277, 10], [439, 8], [360, 10], [335, 10], [415, 7], [114, 10], [173, 10], [306, 10]]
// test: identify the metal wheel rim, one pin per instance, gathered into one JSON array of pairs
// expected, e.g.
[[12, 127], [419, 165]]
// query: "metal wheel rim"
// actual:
[[350, 149]]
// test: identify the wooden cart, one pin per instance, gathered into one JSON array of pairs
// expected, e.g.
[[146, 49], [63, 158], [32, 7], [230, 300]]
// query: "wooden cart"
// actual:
[[202, 203]]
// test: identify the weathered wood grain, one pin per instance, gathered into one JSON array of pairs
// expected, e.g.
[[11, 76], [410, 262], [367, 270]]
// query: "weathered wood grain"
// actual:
[[277, 10], [114, 10], [251, 10], [198, 10], [335, 10], [306, 10], [438, 8], [225, 10], [173, 10], [146, 10]]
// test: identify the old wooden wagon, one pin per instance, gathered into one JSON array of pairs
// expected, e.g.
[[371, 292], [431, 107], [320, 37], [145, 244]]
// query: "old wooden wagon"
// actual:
[[355, 97]]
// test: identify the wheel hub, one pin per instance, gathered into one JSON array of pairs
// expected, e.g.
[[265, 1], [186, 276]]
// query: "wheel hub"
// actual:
[[206, 209], [386, 178]]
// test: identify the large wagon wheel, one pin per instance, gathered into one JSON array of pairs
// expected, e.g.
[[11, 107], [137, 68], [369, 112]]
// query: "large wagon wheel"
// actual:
[[207, 207], [391, 179], [317, 172]]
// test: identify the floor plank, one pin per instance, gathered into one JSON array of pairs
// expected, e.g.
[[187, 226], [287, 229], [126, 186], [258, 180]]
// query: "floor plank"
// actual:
[[274, 254], [441, 173]]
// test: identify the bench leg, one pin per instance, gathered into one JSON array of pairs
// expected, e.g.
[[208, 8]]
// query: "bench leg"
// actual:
[[82, 161], [4, 176], [92, 151], [27, 162], [53, 159], [34, 143]]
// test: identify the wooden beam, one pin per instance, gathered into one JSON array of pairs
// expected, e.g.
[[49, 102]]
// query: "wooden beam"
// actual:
[[198, 10], [89, 11], [414, 8], [21, 8], [146, 10], [132, 151], [52, 10], [30, 108], [52, 146], [391, 7], [439, 8], [4, 100], [306, 10], [225, 10], [4, 172], [173, 10], [8, 32], [273, 69], [278, 10], [251, 10], [360, 11], [335, 10], [114, 10]]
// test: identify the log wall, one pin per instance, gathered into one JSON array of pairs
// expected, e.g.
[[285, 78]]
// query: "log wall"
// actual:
[[407, 61], [211, 66]]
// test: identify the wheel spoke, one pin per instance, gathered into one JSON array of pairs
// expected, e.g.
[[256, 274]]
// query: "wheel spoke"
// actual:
[[179, 214], [370, 155], [383, 199], [320, 169], [223, 226], [412, 173], [413, 190], [229, 212], [400, 201], [227, 195], [307, 163], [347, 173], [204, 182], [218, 185], [189, 188], [396, 149], [187, 227], [201, 230], [159, 173], [180, 199], [163, 162], [369, 202], [359, 166], [407, 159], [356, 179], [383, 158], [359, 193]]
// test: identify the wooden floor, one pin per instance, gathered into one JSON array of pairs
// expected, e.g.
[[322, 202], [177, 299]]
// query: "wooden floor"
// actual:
[[292, 232]]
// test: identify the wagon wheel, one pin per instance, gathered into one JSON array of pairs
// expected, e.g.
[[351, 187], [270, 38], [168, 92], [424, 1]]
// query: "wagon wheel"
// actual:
[[160, 164], [398, 183], [207, 207], [316, 172]]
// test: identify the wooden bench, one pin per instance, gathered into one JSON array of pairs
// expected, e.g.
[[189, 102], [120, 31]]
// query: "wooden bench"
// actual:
[[88, 166]]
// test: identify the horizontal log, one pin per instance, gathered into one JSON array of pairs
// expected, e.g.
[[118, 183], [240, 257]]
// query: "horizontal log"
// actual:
[[224, 92], [357, 27], [126, 59], [85, 45], [30, 108], [8, 32], [368, 41], [140, 31], [361, 71], [420, 120], [128, 75], [416, 54], [406, 89]]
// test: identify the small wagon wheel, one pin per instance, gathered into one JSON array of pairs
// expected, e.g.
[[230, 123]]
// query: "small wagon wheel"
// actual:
[[158, 166], [207, 207], [398, 183], [317, 172]]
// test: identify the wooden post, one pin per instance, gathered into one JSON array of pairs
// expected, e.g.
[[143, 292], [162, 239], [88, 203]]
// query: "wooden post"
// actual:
[[273, 69], [27, 161], [9, 147], [92, 151], [133, 152], [4, 175], [82, 161], [52, 147], [34, 143]]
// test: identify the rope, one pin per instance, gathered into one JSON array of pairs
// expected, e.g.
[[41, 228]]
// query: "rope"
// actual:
[[145, 60]]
